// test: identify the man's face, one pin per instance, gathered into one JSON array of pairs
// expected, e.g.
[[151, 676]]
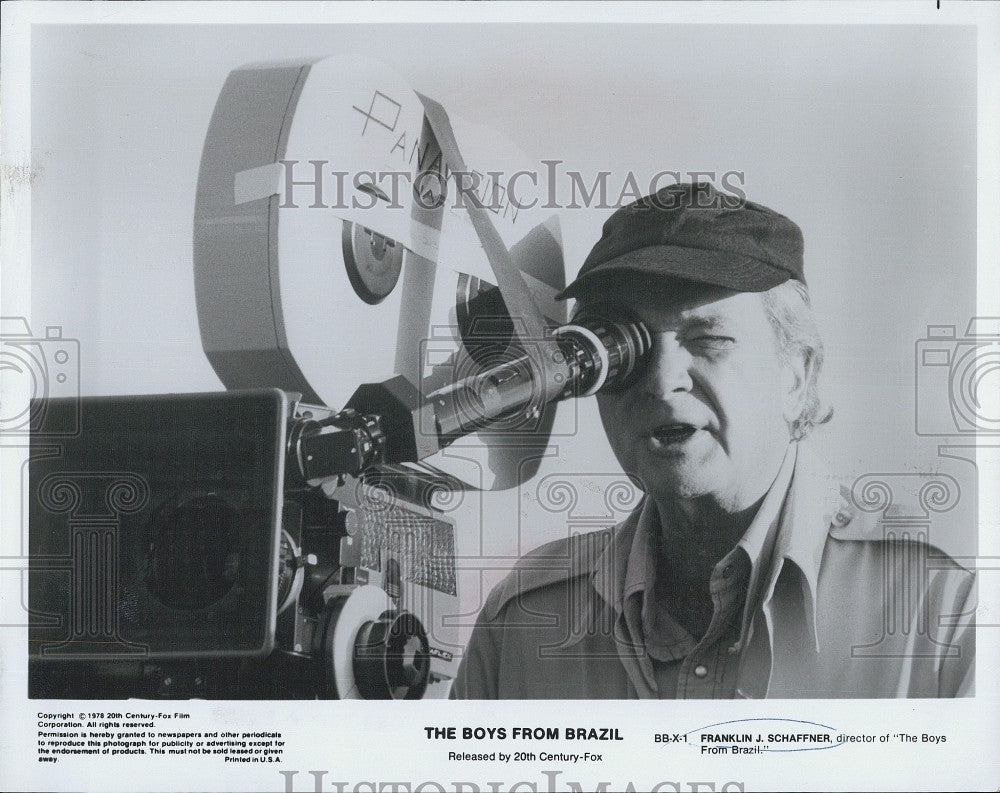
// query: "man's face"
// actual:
[[708, 415]]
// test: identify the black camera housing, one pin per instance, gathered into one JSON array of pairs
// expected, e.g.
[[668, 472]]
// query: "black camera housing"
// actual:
[[174, 554]]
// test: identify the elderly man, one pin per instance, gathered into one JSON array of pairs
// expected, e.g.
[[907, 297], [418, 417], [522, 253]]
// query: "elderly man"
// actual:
[[744, 572]]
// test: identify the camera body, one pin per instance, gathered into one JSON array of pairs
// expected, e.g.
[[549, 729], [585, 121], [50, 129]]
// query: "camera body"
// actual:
[[188, 545], [175, 554]]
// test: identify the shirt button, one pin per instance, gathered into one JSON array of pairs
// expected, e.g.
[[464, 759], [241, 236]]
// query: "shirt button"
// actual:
[[700, 671]]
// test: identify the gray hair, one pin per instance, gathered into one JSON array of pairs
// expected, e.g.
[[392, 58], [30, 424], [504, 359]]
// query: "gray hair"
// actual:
[[790, 314]]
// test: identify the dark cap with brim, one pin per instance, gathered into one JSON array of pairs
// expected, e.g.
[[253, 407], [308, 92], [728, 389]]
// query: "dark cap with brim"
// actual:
[[693, 232]]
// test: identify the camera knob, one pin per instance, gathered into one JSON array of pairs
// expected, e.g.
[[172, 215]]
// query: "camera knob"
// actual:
[[392, 657]]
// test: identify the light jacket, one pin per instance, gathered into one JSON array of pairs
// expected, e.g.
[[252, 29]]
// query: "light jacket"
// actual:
[[848, 609]]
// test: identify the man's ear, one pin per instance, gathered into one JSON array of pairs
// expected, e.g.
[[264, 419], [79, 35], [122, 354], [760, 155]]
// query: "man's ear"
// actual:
[[798, 372]]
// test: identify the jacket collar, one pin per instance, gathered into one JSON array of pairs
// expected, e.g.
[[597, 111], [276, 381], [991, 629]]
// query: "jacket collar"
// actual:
[[610, 569], [804, 520], [813, 498]]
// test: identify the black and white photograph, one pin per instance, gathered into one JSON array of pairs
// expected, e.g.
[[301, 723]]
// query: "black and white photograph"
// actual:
[[545, 354]]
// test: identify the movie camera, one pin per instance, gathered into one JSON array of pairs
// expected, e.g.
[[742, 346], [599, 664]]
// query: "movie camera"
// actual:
[[258, 542]]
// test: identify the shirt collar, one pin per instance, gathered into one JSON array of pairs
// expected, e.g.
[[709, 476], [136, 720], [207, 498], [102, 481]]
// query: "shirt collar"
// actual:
[[634, 565], [805, 518], [797, 507], [640, 564], [760, 534]]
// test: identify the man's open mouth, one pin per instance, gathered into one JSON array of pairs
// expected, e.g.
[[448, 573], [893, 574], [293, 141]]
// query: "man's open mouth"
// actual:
[[674, 433]]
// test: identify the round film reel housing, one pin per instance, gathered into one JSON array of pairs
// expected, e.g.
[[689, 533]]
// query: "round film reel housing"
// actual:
[[392, 657], [318, 270], [371, 650]]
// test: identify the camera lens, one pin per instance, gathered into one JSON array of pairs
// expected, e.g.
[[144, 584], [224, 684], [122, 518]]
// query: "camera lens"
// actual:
[[606, 348]]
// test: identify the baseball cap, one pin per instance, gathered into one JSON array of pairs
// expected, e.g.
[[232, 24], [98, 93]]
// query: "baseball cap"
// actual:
[[693, 232]]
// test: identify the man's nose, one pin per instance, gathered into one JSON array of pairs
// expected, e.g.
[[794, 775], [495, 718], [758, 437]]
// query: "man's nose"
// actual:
[[668, 368]]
